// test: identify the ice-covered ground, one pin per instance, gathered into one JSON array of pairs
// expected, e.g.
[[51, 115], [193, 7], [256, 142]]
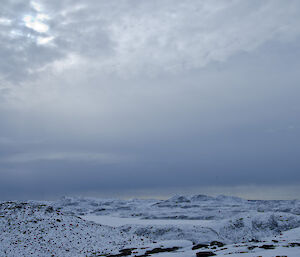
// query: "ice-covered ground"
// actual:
[[181, 226], [197, 207]]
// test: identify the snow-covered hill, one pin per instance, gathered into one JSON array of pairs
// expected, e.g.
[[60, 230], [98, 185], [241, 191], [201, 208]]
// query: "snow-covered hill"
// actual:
[[196, 207], [31, 229], [181, 226]]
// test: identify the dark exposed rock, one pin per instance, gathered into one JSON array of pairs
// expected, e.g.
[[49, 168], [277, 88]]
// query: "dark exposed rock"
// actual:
[[49, 209], [267, 247], [198, 246], [127, 252], [205, 254], [161, 250], [217, 243], [149, 252], [294, 244], [99, 210], [252, 247], [123, 252]]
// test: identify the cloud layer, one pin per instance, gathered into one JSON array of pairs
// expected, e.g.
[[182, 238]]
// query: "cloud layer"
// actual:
[[122, 95], [129, 37]]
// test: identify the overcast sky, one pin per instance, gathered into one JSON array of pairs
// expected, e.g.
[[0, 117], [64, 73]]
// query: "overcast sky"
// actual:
[[129, 97]]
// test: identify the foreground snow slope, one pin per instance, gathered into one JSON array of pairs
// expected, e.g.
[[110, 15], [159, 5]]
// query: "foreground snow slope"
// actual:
[[30, 229], [285, 245]]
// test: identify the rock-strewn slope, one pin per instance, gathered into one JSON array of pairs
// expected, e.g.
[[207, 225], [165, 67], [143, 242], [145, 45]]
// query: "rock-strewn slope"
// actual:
[[31, 229]]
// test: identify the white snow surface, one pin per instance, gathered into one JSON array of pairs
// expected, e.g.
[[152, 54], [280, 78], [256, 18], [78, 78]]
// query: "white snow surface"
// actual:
[[30, 229], [76, 226]]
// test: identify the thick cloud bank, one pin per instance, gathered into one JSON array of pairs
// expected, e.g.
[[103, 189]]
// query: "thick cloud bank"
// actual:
[[129, 95]]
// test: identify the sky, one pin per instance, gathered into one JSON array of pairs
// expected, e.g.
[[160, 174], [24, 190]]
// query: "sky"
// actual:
[[149, 98]]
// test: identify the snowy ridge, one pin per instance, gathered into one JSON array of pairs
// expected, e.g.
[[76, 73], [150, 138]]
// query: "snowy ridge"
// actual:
[[28, 229], [256, 226], [181, 226], [196, 207], [253, 226]]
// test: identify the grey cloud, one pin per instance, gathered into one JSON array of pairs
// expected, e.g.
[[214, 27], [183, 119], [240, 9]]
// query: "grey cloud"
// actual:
[[66, 156], [18, 48], [132, 95], [127, 36]]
